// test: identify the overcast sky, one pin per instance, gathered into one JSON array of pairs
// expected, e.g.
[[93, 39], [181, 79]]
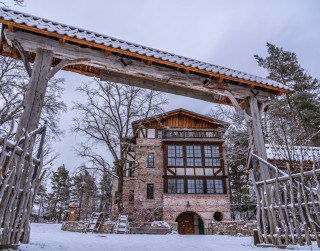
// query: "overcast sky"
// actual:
[[225, 32]]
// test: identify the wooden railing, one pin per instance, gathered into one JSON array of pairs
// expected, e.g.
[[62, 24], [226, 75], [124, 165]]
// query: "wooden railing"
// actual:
[[183, 134]]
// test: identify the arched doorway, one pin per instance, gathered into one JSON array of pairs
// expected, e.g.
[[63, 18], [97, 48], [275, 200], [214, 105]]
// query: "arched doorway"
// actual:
[[190, 223]]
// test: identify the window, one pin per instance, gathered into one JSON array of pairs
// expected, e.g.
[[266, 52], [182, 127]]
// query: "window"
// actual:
[[159, 134], [131, 196], [150, 160], [212, 156], [199, 186], [132, 169], [191, 186], [218, 186], [175, 155], [195, 186], [175, 185], [194, 156], [217, 216], [210, 185], [149, 191], [214, 186]]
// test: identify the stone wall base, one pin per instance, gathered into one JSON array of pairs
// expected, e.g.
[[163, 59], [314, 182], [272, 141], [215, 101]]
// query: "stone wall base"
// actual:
[[242, 228], [136, 227]]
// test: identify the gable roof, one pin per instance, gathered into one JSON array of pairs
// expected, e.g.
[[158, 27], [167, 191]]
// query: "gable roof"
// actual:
[[113, 45], [184, 112]]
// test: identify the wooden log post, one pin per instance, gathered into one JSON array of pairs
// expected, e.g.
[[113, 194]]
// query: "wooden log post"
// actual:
[[18, 197], [34, 97], [256, 140], [252, 115]]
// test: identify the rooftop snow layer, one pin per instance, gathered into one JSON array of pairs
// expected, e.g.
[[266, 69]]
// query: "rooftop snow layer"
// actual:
[[298, 153], [70, 31]]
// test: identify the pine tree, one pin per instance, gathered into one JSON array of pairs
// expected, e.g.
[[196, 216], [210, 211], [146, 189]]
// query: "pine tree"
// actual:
[[292, 120], [105, 193], [85, 192], [301, 110], [60, 196], [41, 203]]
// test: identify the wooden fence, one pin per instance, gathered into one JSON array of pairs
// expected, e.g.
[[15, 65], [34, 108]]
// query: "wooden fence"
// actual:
[[20, 178], [288, 207]]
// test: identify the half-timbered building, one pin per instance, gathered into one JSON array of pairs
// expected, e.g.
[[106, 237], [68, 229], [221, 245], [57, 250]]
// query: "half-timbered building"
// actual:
[[179, 161]]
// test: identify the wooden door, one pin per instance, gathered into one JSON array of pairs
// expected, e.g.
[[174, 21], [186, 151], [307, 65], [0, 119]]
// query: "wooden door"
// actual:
[[185, 224]]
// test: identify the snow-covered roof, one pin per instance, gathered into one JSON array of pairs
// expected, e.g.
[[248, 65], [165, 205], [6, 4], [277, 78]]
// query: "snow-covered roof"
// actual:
[[297, 153], [74, 32]]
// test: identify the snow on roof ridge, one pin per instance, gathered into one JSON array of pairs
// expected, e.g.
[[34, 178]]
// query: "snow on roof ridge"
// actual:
[[80, 33]]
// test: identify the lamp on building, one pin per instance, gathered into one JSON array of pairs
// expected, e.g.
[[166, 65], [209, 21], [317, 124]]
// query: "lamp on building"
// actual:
[[188, 204], [82, 186]]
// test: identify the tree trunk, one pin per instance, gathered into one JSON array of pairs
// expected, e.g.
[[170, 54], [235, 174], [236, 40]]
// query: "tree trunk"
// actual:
[[120, 187]]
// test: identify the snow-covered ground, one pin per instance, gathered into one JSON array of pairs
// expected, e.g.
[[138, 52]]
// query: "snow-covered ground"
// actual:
[[50, 237]]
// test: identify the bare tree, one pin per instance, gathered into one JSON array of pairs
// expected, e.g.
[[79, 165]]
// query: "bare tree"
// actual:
[[13, 85], [105, 119]]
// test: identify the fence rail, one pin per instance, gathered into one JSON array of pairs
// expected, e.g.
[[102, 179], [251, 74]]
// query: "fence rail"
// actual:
[[288, 209]]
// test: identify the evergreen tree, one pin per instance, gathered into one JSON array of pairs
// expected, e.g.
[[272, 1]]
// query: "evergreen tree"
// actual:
[[41, 203], [105, 193], [295, 118], [85, 192], [292, 120], [60, 196]]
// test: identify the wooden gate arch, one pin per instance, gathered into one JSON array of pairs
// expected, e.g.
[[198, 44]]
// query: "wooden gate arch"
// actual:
[[52, 46]]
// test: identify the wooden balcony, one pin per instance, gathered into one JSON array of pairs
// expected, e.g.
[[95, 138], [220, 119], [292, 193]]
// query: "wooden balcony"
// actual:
[[192, 134]]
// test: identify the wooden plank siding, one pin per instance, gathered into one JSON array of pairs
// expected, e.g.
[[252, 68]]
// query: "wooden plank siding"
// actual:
[[180, 119]]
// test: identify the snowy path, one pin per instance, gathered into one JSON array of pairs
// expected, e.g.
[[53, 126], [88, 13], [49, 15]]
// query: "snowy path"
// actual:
[[50, 237]]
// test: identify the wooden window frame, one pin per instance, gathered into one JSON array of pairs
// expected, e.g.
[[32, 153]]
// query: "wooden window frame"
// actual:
[[151, 185], [158, 133], [150, 164], [217, 174], [132, 169], [131, 196]]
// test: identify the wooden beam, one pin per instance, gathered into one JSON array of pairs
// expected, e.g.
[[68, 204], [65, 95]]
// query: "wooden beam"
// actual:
[[191, 83], [62, 40], [12, 28], [147, 62], [107, 52], [132, 80], [136, 55]]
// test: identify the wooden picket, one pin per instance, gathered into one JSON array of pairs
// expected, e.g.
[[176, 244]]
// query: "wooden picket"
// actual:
[[288, 206]]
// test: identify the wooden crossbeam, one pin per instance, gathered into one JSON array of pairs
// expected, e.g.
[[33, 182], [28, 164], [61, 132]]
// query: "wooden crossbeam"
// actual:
[[136, 55], [190, 85]]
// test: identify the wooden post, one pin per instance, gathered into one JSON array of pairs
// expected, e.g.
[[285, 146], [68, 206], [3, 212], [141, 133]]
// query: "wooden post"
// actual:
[[23, 181], [252, 116], [256, 140], [34, 97]]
